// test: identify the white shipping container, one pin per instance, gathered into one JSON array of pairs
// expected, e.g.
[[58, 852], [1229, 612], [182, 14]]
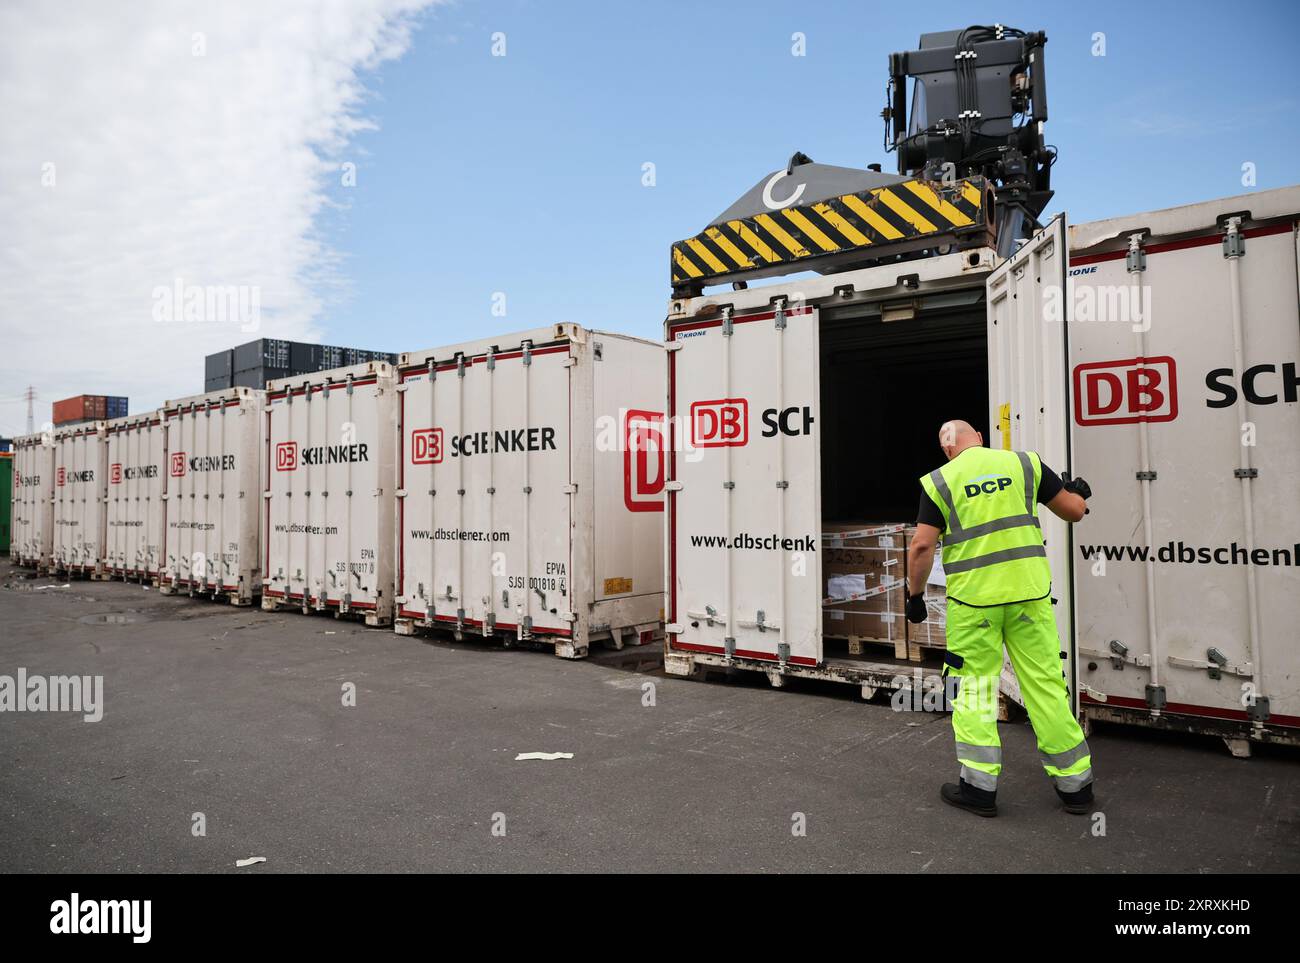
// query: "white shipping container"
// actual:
[[1184, 355], [80, 470], [1181, 411], [137, 482], [213, 488], [522, 507], [329, 487], [32, 517]]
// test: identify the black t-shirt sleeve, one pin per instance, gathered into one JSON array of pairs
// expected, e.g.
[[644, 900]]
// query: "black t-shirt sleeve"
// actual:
[[1049, 485], [928, 513]]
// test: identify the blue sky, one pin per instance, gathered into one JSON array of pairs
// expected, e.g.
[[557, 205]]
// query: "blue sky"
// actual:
[[522, 173], [154, 144]]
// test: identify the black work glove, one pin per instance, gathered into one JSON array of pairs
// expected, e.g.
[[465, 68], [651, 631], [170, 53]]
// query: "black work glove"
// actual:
[[916, 612], [1078, 486]]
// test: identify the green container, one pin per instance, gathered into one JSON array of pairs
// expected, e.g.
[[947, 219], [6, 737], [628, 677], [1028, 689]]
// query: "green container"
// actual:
[[6, 499]]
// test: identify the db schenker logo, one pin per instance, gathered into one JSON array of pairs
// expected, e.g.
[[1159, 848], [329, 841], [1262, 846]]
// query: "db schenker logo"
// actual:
[[286, 456], [720, 423], [1125, 392], [643, 461], [178, 464], [426, 446]]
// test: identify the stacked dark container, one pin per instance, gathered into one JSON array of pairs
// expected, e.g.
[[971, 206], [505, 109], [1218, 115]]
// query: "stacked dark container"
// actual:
[[253, 364]]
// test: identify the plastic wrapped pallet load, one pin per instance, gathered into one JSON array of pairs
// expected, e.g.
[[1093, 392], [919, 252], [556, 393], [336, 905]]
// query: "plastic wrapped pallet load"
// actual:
[[863, 565]]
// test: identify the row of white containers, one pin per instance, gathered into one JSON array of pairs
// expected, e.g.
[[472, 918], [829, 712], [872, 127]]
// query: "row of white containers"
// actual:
[[486, 487], [516, 485], [168, 496], [1157, 355]]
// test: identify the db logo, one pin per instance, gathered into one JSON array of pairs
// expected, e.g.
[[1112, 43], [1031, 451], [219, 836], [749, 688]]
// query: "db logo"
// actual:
[[986, 485], [1126, 392], [286, 456], [115, 474], [723, 423], [643, 461], [59, 477], [178, 464], [426, 446]]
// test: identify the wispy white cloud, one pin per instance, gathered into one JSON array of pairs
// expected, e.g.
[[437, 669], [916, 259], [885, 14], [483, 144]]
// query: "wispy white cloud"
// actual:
[[149, 141]]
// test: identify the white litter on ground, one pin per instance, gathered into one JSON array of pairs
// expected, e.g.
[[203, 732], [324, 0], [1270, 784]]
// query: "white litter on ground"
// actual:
[[42, 588], [250, 861], [544, 756]]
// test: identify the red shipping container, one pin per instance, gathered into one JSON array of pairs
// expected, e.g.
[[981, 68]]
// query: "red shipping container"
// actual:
[[81, 408]]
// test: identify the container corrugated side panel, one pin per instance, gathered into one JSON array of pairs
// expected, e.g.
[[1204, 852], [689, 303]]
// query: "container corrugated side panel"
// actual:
[[33, 502], [79, 499], [329, 491], [137, 474], [214, 449], [1186, 390], [485, 470]]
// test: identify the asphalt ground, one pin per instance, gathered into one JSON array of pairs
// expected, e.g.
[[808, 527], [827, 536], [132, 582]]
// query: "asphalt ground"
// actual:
[[239, 715]]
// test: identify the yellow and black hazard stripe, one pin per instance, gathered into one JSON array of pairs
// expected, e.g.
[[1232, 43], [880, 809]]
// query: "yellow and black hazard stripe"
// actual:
[[851, 222]]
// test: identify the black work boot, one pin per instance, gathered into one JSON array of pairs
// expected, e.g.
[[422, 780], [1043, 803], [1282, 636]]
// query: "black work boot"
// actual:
[[981, 802], [1079, 802]]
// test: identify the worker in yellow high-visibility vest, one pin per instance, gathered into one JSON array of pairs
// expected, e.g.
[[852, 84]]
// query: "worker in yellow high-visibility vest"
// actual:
[[984, 505]]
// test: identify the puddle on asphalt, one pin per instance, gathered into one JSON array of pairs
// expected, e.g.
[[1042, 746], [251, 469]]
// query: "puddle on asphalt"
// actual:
[[113, 618]]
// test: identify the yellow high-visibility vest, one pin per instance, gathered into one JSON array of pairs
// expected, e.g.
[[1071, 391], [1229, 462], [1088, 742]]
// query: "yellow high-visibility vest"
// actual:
[[993, 551]]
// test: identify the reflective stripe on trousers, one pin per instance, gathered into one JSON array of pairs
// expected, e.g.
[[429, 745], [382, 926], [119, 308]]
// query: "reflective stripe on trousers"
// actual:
[[1071, 769]]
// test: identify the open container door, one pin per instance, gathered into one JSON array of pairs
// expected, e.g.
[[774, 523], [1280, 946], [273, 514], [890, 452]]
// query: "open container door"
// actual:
[[745, 486], [1028, 314]]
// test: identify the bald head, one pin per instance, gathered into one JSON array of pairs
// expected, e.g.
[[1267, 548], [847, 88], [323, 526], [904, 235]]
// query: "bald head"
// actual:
[[956, 436]]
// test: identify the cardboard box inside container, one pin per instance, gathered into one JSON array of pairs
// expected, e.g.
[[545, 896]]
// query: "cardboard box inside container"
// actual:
[[933, 631], [853, 565]]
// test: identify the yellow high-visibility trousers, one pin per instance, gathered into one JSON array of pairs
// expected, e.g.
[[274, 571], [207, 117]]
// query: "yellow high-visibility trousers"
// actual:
[[976, 637]]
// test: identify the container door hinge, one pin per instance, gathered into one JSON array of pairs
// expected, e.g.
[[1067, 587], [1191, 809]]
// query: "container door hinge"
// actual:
[[1245, 473], [1136, 261], [783, 652], [729, 647], [758, 620], [672, 486], [1156, 697], [727, 328], [783, 484], [527, 353], [1145, 476], [674, 345], [1257, 709], [491, 361], [460, 366], [779, 315], [1234, 242], [728, 485]]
